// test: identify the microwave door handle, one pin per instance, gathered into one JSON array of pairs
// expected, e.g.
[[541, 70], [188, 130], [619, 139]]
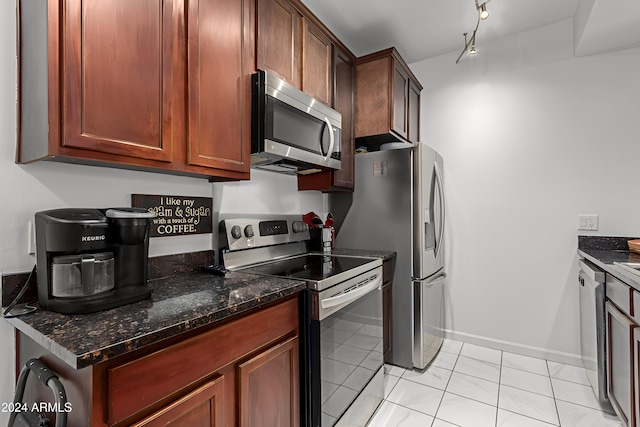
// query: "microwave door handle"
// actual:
[[331, 140]]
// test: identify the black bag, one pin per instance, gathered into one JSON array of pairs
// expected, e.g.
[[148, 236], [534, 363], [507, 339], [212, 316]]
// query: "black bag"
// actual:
[[28, 416]]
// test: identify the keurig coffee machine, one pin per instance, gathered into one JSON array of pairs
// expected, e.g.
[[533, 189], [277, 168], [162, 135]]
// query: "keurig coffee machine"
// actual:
[[92, 259]]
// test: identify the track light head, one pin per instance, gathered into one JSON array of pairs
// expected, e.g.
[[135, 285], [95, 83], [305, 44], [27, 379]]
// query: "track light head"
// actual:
[[472, 50], [484, 13]]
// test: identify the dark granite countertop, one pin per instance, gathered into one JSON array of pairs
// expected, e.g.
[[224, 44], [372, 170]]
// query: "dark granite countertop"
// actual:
[[604, 251], [178, 304]]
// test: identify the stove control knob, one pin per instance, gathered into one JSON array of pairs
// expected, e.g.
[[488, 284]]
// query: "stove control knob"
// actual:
[[248, 231], [236, 232], [298, 226]]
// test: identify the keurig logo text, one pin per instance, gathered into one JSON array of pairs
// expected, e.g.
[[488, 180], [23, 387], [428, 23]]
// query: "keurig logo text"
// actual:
[[93, 238]]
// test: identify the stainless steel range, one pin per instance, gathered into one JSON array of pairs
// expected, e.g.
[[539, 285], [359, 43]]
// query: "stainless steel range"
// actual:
[[341, 315]]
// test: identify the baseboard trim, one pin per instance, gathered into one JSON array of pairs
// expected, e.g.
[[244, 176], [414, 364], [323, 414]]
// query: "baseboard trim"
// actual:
[[522, 349]]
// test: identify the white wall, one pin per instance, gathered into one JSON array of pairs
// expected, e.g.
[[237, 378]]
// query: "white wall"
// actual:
[[26, 189], [266, 192], [7, 137], [531, 137]]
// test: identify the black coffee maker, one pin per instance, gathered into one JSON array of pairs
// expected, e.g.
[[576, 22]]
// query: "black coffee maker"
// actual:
[[92, 259]]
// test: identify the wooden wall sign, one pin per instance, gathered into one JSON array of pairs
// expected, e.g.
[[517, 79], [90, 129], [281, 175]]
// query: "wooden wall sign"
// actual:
[[176, 215]]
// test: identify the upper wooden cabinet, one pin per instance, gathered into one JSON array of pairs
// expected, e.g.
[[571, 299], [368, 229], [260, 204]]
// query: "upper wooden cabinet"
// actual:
[[117, 87], [414, 111], [279, 40], [400, 111], [107, 82], [344, 81], [317, 63], [294, 45], [387, 97], [295, 49], [344, 71], [219, 67]]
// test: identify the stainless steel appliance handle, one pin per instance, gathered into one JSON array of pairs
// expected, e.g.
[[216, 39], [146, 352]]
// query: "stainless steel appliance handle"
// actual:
[[350, 296], [432, 279], [442, 208], [434, 283], [87, 269], [331, 139]]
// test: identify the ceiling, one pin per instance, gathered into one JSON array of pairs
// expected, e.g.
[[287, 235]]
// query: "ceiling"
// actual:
[[422, 29]]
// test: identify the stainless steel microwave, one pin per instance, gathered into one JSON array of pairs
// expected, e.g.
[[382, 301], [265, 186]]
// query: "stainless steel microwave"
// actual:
[[291, 132]]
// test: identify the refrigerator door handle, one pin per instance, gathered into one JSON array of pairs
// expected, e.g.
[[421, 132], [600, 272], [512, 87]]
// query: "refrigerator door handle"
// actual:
[[431, 280], [442, 208]]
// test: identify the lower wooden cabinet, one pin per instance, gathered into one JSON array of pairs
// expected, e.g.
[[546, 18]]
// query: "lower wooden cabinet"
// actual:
[[244, 372], [268, 381], [202, 407]]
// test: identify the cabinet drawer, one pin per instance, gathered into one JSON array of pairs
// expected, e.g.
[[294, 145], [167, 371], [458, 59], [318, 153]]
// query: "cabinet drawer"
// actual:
[[619, 293], [203, 404], [144, 382]]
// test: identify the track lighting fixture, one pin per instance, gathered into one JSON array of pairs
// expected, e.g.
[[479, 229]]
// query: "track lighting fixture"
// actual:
[[484, 13], [470, 44]]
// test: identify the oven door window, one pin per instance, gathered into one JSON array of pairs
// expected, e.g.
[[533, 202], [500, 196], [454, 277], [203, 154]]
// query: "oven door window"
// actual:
[[350, 353]]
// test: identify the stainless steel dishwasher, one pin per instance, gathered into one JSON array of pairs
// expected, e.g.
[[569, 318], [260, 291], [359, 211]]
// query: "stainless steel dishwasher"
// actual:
[[591, 282]]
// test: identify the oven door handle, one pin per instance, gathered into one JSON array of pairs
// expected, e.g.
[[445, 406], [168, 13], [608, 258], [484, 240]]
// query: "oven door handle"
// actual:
[[351, 296]]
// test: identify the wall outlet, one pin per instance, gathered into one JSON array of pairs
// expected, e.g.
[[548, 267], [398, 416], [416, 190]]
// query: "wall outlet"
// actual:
[[31, 238], [587, 222]]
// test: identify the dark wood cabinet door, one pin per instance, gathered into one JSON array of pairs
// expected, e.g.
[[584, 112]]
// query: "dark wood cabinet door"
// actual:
[[344, 87], [204, 407], [317, 71], [400, 100], [219, 85], [269, 390], [343, 101], [414, 112], [117, 72], [279, 40], [387, 100]]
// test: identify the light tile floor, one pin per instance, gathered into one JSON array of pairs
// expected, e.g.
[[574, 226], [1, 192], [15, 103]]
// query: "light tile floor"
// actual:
[[471, 386]]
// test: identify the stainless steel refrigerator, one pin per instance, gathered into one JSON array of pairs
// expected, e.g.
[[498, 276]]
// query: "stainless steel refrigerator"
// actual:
[[398, 205]]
